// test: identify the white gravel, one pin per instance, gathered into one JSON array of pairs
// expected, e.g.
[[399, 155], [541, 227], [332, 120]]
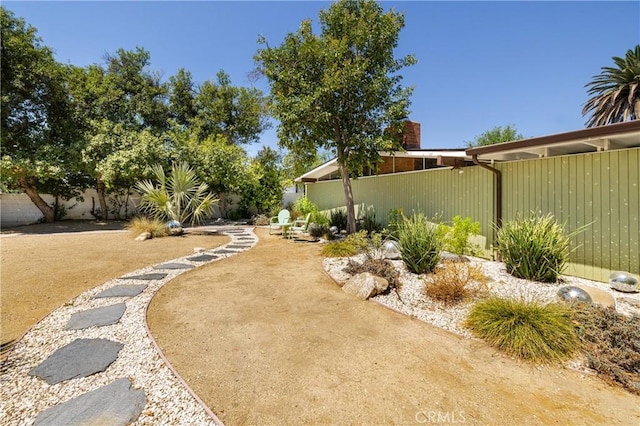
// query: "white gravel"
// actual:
[[416, 304], [169, 401]]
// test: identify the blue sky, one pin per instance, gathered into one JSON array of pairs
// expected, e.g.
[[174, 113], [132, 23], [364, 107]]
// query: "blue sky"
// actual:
[[480, 64]]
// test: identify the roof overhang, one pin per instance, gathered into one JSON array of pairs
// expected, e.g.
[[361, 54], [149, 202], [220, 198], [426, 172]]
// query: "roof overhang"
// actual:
[[330, 168], [593, 139]]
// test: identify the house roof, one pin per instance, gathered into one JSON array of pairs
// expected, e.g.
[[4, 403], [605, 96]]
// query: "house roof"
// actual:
[[602, 138], [326, 170]]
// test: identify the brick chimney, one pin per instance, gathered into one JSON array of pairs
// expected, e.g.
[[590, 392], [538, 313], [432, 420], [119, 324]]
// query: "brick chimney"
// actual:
[[411, 136]]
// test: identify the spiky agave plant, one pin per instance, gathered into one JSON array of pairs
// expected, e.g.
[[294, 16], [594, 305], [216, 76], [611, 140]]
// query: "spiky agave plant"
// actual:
[[177, 196]]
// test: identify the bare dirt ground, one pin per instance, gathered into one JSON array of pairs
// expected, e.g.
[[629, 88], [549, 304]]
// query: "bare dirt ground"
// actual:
[[266, 337], [44, 266]]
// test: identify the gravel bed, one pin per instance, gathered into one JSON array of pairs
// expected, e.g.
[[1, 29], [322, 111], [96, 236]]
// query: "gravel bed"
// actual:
[[169, 401], [411, 300]]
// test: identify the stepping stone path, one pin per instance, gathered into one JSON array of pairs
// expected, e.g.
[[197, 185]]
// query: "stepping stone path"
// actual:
[[106, 368]]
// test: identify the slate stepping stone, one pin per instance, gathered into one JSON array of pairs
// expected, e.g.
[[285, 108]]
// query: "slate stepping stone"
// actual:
[[121, 291], [238, 246], [235, 231], [202, 258], [97, 317], [174, 266], [146, 277], [246, 238], [224, 251], [112, 404], [80, 358]]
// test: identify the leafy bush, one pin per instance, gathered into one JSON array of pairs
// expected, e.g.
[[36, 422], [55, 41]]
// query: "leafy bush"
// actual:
[[395, 217], [338, 219], [153, 226], [379, 267], [453, 282], [528, 330], [534, 248], [304, 206], [179, 196], [420, 244], [457, 236], [317, 230], [319, 219], [369, 223], [611, 342], [349, 246]]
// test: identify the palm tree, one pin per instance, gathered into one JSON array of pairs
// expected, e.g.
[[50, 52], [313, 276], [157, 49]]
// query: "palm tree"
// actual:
[[178, 196], [615, 92]]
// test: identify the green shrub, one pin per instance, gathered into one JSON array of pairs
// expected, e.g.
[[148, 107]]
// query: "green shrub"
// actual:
[[317, 230], [319, 219], [528, 330], [155, 227], [420, 243], [369, 223], [395, 217], [349, 246], [338, 219], [457, 236], [611, 343], [534, 248], [304, 206]]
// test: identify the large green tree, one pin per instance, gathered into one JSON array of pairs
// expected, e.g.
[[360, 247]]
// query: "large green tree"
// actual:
[[39, 147], [339, 89], [615, 92], [498, 134]]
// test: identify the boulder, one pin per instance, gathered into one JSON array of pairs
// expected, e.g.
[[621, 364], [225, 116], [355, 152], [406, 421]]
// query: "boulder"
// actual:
[[144, 236], [365, 285], [598, 296]]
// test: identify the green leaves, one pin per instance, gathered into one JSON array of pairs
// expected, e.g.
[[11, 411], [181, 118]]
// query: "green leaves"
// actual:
[[498, 134]]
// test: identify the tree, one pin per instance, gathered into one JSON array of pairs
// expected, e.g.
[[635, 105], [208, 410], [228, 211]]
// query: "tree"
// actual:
[[615, 92], [265, 191], [182, 94], [237, 113], [498, 134], [39, 148], [339, 90]]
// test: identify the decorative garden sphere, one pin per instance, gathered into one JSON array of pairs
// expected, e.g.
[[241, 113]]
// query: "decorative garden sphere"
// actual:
[[173, 224], [334, 230], [624, 281], [391, 250], [574, 294]]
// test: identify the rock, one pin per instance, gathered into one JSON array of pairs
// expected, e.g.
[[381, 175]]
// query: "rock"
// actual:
[[365, 285], [113, 404], [176, 231], [121, 291], [146, 277], [238, 246], [80, 358], [174, 265], [97, 317], [391, 250], [202, 258], [598, 296], [144, 236]]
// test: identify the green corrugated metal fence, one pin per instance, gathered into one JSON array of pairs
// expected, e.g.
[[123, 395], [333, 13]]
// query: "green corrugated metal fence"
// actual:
[[600, 189]]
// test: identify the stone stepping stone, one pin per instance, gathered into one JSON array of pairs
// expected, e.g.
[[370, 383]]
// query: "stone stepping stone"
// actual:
[[238, 246], [224, 251], [146, 277], [246, 238], [97, 317], [202, 258], [121, 291], [235, 231], [80, 358], [174, 266], [112, 404]]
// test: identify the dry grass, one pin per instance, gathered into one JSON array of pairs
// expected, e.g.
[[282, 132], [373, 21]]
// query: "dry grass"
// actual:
[[155, 227], [454, 282]]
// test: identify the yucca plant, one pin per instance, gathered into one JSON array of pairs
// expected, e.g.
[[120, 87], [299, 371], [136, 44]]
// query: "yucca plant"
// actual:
[[535, 248], [525, 329], [178, 196], [420, 243]]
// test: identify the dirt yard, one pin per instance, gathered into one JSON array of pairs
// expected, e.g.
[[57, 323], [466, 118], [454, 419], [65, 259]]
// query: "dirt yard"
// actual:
[[266, 337], [44, 266]]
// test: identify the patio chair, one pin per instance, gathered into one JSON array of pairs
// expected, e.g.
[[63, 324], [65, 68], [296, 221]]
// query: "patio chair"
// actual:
[[299, 226], [280, 222]]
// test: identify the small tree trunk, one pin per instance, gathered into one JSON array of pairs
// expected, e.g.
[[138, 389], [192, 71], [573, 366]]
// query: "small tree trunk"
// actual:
[[101, 190], [348, 197], [32, 193]]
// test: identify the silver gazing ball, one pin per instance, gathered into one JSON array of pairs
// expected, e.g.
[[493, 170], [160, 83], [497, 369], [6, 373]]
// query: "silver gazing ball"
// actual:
[[173, 224], [624, 281], [391, 250], [334, 230], [574, 294]]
